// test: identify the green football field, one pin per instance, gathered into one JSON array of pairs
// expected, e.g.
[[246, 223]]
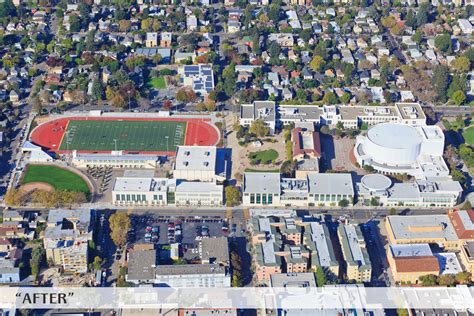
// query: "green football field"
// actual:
[[128, 135]]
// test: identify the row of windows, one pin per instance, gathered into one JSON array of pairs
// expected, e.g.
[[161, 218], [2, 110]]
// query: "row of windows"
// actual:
[[261, 198], [131, 197], [331, 197], [437, 199]]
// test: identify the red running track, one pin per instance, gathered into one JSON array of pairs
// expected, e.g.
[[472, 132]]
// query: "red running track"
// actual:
[[199, 132]]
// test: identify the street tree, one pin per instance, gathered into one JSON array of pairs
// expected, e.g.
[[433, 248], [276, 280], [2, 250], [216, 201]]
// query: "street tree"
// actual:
[[119, 226], [232, 195]]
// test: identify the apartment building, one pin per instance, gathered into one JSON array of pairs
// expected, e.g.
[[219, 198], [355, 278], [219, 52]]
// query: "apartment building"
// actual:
[[318, 241], [284, 243], [466, 255], [354, 251], [66, 239]]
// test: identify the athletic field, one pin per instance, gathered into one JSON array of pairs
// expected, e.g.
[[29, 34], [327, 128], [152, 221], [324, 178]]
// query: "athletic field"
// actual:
[[107, 135]]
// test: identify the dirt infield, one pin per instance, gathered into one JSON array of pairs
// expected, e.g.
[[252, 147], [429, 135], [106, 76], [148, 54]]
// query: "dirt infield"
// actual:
[[32, 186], [199, 132]]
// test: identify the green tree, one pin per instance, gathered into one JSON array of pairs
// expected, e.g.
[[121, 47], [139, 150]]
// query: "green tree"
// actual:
[[443, 43], [440, 81], [422, 17], [37, 260], [259, 128], [463, 277], [97, 264], [97, 90], [236, 282], [345, 98], [329, 98], [7, 9], [458, 176], [232, 195], [321, 278], [458, 97], [75, 23], [458, 82], [317, 63], [410, 19], [429, 280], [343, 203], [392, 211], [461, 64], [447, 280], [119, 226]]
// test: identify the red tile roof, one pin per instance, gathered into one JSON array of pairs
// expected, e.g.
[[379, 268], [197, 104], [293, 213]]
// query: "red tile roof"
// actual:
[[298, 149], [462, 231], [428, 264]]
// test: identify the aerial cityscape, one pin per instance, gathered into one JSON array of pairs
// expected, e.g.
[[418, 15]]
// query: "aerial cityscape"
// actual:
[[181, 157]]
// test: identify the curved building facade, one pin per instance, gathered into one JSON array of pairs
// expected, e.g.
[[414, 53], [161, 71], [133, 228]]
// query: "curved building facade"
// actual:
[[394, 148], [393, 144]]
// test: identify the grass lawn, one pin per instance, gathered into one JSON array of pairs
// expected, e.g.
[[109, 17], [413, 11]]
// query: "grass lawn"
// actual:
[[157, 83], [61, 179], [468, 135], [124, 135], [264, 156]]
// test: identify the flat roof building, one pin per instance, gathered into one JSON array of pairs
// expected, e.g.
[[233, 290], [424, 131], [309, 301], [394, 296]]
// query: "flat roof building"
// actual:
[[436, 228], [199, 77], [117, 160], [269, 189], [141, 266], [200, 163], [318, 240], [395, 148], [354, 251], [259, 110], [214, 250], [330, 188], [292, 280], [437, 192], [192, 276], [66, 239], [147, 191], [409, 262], [261, 188]]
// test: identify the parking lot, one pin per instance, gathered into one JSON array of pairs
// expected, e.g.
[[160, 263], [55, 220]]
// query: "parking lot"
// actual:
[[188, 231]]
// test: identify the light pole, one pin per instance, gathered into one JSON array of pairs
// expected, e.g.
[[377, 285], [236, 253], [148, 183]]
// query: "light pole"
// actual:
[[115, 141], [129, 107], [167, 137]]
